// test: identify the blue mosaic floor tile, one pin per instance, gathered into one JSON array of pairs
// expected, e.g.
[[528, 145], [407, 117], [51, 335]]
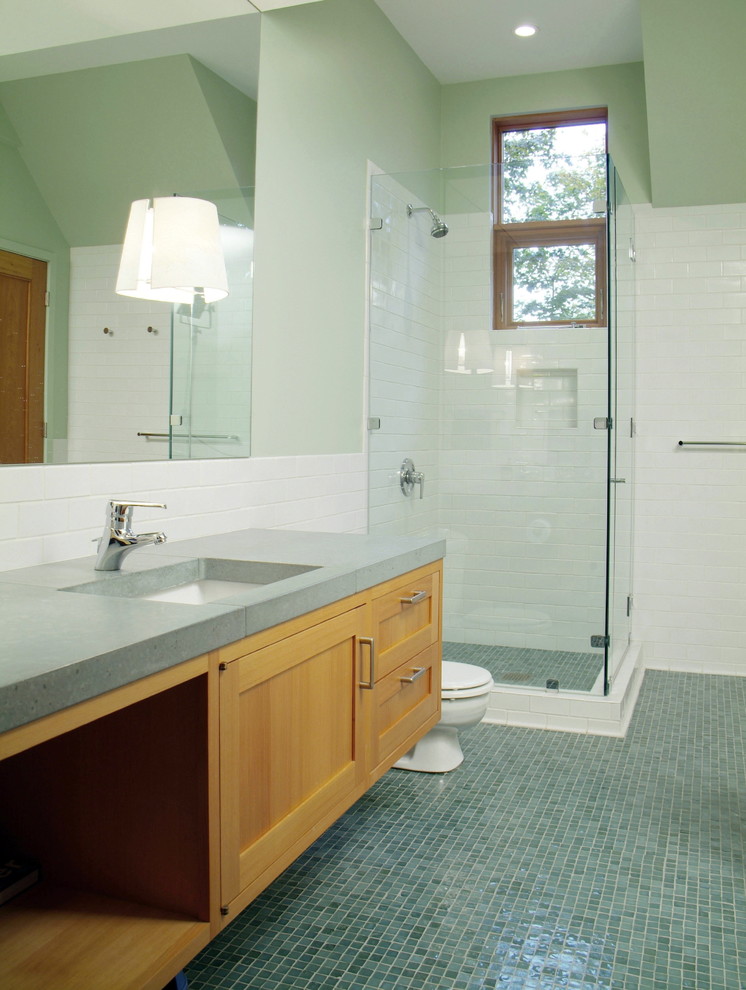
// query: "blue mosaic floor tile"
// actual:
[[546, 861]]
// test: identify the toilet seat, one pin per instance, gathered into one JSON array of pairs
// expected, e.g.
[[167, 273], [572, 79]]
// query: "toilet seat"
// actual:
[[464, 680]]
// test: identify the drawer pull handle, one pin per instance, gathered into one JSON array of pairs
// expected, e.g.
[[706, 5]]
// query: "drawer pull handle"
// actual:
[[370, 642], [418, 596], [416, 672]]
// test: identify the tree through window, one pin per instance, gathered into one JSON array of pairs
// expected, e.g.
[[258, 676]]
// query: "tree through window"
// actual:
[[549, 245]]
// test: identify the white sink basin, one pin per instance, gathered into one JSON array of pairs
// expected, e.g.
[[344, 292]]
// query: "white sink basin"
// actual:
[[200, 592], [192, 582]]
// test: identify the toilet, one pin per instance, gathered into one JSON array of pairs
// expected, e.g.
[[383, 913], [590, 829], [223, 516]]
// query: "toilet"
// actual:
[[465, 693]]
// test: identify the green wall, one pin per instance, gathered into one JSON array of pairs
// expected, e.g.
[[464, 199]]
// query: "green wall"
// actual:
[[338, 86], [96, 139], [695, 75], [234, 116], [468, 108]]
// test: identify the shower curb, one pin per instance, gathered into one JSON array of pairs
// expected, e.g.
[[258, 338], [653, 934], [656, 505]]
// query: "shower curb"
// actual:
[[571, 711]]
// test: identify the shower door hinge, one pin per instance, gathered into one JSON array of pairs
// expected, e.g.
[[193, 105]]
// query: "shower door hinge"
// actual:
[[630, 603], [376, 223], [374, 422], [599, 642], [631, 426], [602, 422]]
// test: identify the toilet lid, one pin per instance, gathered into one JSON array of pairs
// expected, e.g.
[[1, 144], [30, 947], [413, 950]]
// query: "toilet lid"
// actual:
[[464, 676]]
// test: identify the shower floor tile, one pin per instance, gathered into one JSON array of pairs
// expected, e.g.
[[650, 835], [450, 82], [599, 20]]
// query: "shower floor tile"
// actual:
[[546, 861], [516, 666]]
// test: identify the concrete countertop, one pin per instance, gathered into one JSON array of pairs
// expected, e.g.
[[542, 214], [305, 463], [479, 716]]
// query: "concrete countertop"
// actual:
[[58, 648]]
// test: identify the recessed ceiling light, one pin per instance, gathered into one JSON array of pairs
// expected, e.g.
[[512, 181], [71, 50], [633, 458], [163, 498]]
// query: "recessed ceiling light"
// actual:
[[525, 30]]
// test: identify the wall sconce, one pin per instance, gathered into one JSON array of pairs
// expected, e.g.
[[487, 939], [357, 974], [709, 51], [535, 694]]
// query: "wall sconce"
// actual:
[[468, 352], [172, 252]]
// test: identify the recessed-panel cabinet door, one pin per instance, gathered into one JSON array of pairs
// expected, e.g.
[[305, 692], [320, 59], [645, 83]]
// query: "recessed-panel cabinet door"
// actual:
[[292, 749]]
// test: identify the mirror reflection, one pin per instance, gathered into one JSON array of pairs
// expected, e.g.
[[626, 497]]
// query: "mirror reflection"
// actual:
[[85, 374]]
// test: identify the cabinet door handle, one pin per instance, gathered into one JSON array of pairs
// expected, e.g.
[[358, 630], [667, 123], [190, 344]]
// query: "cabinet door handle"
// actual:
[[418, 596], [416, 672], [370, 642]]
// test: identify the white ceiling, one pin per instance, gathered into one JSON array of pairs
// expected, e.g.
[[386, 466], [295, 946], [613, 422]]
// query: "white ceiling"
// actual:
[[466, 40]]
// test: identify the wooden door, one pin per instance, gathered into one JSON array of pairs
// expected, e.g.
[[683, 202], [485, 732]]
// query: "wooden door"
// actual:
[[23, 284], [292, 749]]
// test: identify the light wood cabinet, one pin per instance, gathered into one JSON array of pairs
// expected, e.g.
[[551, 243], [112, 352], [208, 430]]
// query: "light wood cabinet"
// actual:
[[312, 714], [114, 798], [406, 614], [159, 810], [292, 749]]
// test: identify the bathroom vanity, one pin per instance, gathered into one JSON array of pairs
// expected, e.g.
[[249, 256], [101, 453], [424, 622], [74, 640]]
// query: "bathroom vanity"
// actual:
[[163, 805]]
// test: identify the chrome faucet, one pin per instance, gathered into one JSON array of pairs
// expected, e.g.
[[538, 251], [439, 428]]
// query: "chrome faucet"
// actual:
[[118, 539]]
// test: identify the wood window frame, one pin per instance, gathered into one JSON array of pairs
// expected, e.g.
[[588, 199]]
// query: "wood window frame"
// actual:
[[509, 236]]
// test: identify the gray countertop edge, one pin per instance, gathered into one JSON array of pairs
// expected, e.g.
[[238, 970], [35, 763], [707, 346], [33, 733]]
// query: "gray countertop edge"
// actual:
[[90, 677], [55, 689]]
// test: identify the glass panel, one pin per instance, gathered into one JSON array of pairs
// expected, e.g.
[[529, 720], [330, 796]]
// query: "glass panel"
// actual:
[[554, 282], [502, 428], [554, 173], [211, 358], [622, 248]]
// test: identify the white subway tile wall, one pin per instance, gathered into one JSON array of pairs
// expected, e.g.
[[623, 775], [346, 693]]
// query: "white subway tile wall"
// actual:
[[404, 360], [690, 545], [54, 512], [119, 380]]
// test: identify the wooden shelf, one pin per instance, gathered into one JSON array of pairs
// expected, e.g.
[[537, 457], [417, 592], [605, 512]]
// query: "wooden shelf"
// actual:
[[59, 937]]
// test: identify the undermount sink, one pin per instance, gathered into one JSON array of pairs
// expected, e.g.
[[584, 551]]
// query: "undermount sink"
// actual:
[[191, 582]]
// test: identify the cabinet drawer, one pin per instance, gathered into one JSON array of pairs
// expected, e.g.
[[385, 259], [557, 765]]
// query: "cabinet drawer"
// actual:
[[407, 704], [406, 619]]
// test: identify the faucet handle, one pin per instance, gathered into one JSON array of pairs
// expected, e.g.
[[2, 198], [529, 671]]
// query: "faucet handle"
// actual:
[[120, 510]]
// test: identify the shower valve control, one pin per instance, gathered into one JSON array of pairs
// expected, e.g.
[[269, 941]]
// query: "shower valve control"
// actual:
[[409, 477]]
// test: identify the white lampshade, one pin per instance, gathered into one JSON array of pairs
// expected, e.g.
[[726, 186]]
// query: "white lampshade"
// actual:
[[172, 251]]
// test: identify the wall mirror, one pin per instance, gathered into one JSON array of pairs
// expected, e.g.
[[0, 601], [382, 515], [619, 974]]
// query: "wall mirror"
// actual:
[[85, 129]]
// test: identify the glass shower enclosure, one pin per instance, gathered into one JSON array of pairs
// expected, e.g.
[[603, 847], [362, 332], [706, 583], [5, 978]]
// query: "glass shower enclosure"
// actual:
[[522, 436]]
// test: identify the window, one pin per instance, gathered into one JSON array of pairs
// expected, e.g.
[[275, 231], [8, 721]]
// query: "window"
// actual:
[[549, 243]]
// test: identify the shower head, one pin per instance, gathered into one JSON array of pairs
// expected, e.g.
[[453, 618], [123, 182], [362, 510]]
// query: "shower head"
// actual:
[[439, 227]]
